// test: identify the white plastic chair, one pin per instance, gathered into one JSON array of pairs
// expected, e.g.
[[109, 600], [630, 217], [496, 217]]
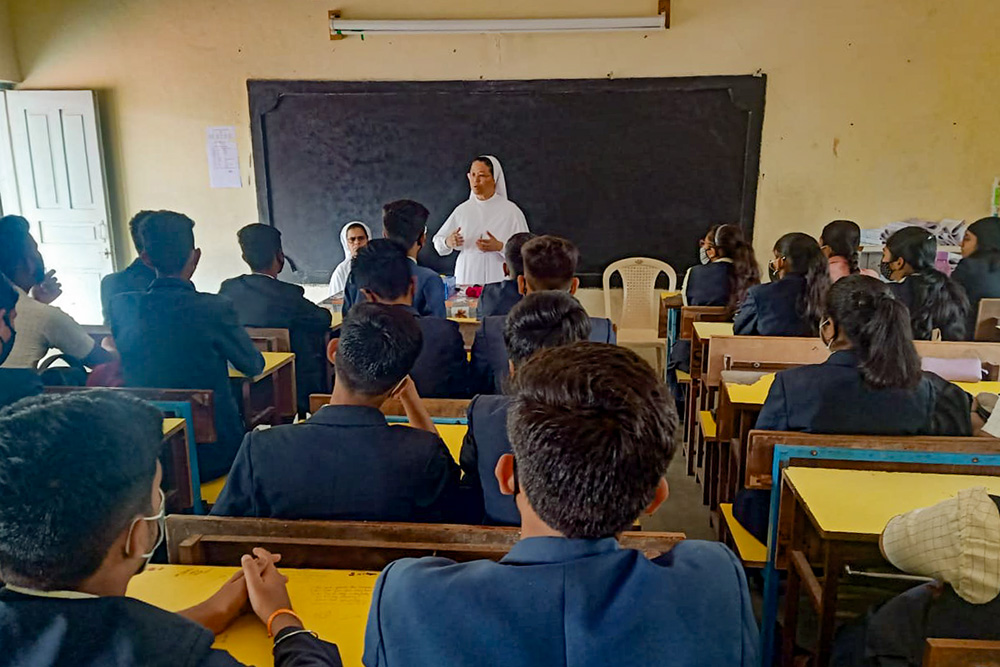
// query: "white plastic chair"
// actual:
[[638, 323]]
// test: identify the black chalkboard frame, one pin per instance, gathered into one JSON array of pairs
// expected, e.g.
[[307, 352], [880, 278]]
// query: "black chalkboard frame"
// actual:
[[747, 93]]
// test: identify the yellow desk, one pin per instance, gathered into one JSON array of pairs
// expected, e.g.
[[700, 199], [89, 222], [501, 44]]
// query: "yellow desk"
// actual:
[[210, 490], [333, 603], [979, 387], [172, 426], [833, 518], [273, 388], [705, 330], [857, 504]]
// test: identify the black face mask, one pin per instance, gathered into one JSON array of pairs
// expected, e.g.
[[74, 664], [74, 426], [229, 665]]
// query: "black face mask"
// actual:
[[7, 345], [885, 270]]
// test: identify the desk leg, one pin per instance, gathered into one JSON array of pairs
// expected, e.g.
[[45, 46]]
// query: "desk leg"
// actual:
[[285, 399], [832, 566], [798, 568]]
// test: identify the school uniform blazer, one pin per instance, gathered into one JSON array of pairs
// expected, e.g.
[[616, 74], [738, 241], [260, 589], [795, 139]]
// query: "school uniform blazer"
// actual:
[[708, 284], [136, 277], [980, 283], [18, 383], [498, 298], [832, 397], [489, 354], [485, 442], [556, 601], [442, 369], [344, 462], [262, 301], [428, 298], [772, 309], [123, 632], [174, 337]]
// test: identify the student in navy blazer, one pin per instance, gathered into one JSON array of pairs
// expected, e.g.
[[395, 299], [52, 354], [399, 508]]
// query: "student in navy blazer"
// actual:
[[592, 430], [262, 300], [381, 270], [174, 337], [792, 303], [346, 462], [549, 264], [136, 277], [871, 384], [85, 520], [405, 221], [499, 298], [540, 320]]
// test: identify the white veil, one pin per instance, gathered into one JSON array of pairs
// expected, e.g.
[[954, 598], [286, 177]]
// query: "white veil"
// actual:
[[339, 278]]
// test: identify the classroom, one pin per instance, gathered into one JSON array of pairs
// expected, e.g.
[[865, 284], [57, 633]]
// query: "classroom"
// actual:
[[668, 329]]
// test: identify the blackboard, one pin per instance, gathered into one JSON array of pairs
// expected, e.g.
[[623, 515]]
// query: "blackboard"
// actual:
[[628, 167]]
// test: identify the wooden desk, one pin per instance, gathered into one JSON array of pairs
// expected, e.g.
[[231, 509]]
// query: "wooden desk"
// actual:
[[333, 603], [176, 462], [270, 397], [700, 397], [834, 518]]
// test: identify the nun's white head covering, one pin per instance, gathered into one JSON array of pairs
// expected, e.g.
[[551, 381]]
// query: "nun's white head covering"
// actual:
[[338, 281], [497, 176]]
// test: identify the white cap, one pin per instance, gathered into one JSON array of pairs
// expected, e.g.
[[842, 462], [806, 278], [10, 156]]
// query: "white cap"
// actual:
[[956, 541]]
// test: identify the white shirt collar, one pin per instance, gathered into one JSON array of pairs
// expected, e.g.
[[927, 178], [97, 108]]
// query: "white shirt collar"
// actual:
[[723, 260], [65, 595], [266, 275]]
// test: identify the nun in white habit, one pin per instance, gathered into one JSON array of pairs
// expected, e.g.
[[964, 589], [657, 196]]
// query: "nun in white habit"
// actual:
[[352, 241], [479, 227]]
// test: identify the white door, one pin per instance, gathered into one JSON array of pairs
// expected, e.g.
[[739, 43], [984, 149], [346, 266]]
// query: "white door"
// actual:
[[58, 174]]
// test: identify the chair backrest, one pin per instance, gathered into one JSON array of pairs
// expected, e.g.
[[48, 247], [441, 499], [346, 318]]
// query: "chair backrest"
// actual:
[[760, 451], [202, 402], [270, 340], [961, 653], [640, 299], [352, 545], [446, 408], [987, 320], [692, 314]]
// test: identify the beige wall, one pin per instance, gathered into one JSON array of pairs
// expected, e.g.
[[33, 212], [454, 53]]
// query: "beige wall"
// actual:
[[876, 110], [9, 71]]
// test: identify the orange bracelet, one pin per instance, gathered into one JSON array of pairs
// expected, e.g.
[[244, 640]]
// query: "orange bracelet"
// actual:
[[279, 612]]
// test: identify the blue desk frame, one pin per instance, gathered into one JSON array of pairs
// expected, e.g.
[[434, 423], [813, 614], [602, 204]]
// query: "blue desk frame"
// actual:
[[782, 456], [182, 409]]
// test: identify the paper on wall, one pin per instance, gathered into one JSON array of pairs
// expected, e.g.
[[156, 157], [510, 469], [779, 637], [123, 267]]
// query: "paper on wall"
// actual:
[[223, 157]]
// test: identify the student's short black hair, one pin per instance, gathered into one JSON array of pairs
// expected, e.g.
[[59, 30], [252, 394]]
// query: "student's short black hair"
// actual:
[[512, 253], [8, 295], [14, 235], [543, 319], [260, 245], [383, 268], [168, 240], [75, 469], [549, 262], [135, 228], [404, 221], [378, 346], [485, 160], [592, 430]]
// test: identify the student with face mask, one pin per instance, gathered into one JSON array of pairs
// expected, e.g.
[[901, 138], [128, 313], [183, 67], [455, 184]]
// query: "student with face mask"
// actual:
[[871, 384], [937, 303], [15, 383]]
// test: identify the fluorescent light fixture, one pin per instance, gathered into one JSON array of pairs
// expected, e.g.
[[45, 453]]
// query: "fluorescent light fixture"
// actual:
[[339, 26]]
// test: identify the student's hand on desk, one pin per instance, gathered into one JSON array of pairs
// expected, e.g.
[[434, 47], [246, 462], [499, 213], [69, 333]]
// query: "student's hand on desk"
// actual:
[[48, 290], [219, 611], [267, 588]]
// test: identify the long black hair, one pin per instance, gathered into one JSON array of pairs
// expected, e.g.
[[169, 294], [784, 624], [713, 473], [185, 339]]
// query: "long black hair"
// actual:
[[877, 325], [729, 242], [987, 233], [803, 257], [938, 301], [843, 237]]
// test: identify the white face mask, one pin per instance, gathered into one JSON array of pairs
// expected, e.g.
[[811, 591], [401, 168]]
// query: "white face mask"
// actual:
[[703, 255], [161, 519]]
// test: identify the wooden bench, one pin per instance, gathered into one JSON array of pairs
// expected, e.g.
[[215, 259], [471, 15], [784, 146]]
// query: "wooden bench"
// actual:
[[987, 320], [697, 399], [750, 550], [759, 463], [352, 545], [270, 340], [445, 408], [961, 653]]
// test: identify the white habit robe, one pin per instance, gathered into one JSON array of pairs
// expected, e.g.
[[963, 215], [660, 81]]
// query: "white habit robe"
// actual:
[[498, 216]]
